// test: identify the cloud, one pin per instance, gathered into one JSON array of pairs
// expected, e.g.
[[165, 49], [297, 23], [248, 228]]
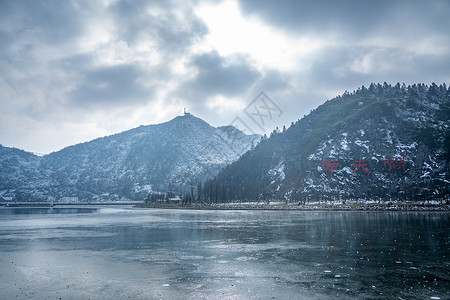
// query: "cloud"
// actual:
[[364, 39], [111, 85], [228, 76], [63, 63], [109, 65], [351, 19], [168, 25], [50, 21], [345, 66]]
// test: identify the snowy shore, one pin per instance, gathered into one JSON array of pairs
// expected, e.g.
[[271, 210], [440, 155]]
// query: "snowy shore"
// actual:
[[329, 206]]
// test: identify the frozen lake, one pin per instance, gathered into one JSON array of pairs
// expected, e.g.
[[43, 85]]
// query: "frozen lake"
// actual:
[[128, 253]]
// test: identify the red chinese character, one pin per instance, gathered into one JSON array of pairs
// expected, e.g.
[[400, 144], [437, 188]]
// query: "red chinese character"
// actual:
[[330, 165], [359, 165], [396, 163]]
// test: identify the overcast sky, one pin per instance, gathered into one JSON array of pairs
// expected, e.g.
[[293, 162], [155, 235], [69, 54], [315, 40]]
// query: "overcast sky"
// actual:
[[71, 71]]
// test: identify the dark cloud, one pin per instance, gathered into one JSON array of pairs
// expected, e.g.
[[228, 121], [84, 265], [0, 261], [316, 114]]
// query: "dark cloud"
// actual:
[[351, 18], [51, 21], [6, 39], [160, 21], [218, 75], [113, 85], [431, 69], [346, 67], [272, 81]]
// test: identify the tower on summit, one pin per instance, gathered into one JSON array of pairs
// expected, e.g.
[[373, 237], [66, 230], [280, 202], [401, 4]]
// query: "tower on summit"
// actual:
[[186, 113]]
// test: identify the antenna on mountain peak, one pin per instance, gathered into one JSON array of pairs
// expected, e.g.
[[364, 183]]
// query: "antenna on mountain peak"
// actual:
[[186, 113]]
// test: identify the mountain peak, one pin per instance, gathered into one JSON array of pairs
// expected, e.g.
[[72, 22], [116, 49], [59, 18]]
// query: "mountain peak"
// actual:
[[186, 116], [189, 121]]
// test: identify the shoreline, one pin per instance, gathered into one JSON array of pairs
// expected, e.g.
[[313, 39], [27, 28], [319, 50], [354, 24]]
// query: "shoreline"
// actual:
[[324, 207]]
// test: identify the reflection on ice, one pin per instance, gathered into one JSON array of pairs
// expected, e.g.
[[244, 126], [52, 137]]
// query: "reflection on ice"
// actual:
[[121, 252]]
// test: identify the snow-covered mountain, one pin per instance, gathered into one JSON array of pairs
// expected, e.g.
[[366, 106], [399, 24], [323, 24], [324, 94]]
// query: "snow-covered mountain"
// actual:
[[164, 157], [382, 141]]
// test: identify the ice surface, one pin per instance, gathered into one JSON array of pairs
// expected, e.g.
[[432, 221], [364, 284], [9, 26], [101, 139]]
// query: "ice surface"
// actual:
[[120, 253]]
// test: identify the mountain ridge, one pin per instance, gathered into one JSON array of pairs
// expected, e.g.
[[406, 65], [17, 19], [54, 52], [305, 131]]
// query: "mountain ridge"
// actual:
[[382, 142], [129, 164]]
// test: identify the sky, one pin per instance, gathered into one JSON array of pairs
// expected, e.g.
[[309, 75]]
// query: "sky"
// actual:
[[72, 71]]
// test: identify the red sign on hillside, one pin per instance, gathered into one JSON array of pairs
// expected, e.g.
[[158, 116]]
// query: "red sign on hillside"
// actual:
[[359, 165], [396, 163], [393, 163], [330, 165]]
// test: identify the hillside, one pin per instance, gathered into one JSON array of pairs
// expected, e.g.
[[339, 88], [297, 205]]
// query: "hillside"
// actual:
[[163, 157], [378, 142]]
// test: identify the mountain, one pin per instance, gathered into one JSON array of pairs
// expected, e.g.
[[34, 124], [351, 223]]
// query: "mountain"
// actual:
[[19, 171], [378, 142], [128, 165]]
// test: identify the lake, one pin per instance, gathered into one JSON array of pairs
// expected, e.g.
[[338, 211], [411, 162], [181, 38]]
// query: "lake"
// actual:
[[131, 253]]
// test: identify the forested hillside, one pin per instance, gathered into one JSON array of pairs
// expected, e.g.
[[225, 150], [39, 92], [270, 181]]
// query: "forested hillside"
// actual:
[[382, 142]]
